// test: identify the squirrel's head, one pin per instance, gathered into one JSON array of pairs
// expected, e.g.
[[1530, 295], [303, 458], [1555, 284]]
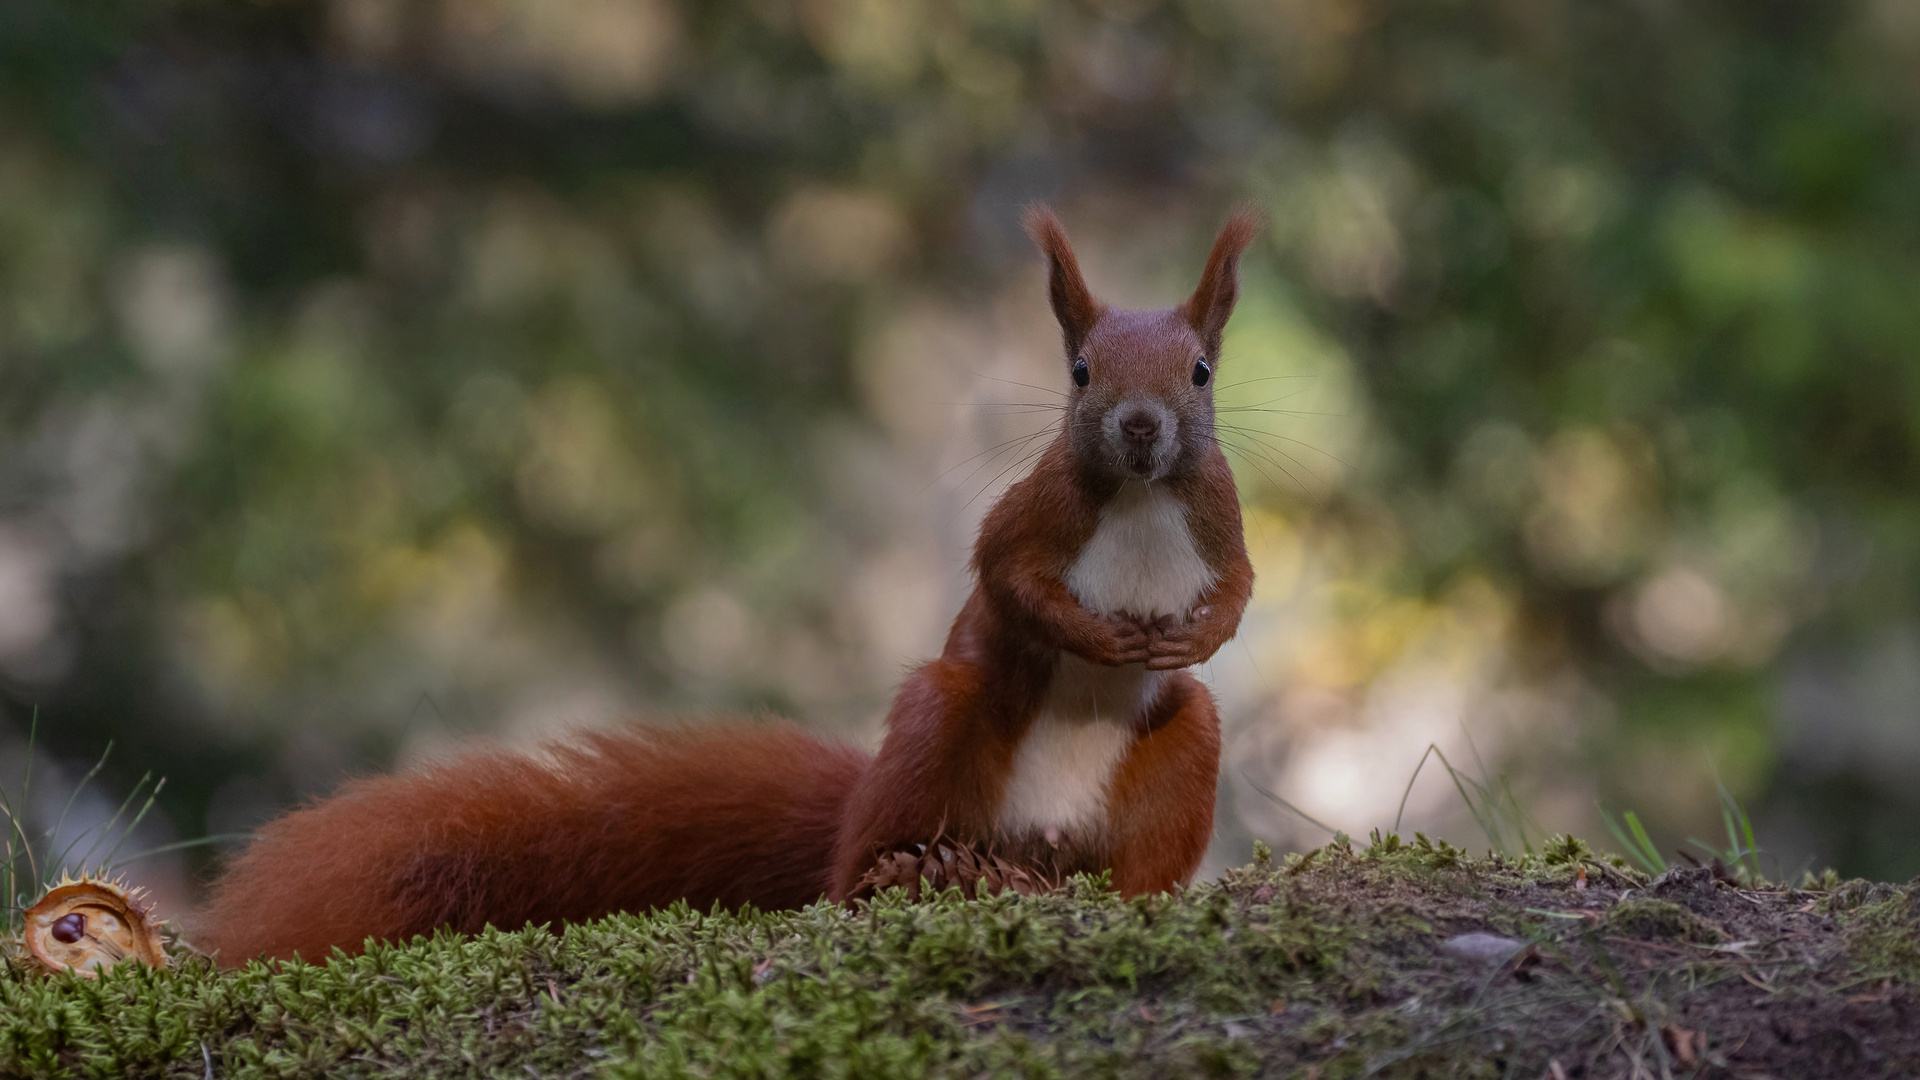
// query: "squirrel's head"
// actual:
[[1140, 405]]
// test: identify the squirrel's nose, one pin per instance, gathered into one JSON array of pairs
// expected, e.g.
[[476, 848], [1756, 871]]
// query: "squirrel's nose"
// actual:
[[1140, 426]]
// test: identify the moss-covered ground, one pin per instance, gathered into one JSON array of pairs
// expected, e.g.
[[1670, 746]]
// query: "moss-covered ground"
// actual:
[[1396, 960]]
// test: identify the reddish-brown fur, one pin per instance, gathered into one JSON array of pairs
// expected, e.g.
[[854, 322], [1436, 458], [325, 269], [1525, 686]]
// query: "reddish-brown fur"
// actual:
[[732, 813], [1163, 798], [737, 814], [958, 721]]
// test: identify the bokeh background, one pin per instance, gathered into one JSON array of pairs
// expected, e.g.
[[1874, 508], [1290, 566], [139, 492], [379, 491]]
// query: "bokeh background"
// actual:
[[376, 375]]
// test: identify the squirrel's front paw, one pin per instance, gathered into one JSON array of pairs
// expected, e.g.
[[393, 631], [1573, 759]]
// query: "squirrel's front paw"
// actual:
[[1118, 640], [1127, 642], [1176, 644]]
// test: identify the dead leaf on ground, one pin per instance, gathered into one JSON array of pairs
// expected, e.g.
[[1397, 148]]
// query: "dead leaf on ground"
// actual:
[[1685, 1044]]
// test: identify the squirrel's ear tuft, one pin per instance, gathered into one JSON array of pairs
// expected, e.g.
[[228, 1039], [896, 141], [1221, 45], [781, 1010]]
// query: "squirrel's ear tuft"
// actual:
[[1073, 305], [1207, 309]]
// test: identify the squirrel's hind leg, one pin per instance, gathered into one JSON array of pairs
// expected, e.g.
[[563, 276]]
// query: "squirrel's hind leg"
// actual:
[[939, 772], [1160, 808]]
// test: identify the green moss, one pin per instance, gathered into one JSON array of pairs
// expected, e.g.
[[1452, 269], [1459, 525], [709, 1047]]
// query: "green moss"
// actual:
[[1851, 895], [1883, 936], [1565, 850], [1326, 964], [1658, 920]]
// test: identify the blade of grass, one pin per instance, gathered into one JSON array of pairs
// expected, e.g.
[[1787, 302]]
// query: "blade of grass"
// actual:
[[1483, 811], [61, 821], [1303, 815], [26, 774], [1516, 814], [1646, 842], [19, 844], [135, 823], [1480, 803], [7, 874], [26, 842], [1432, 749], [1620, 836], [1732, 814], [1743, 849], [178, 845], [1633, 839], [1489, 824], [1497, 811], [16, 828], [26, 792], [111, 822]]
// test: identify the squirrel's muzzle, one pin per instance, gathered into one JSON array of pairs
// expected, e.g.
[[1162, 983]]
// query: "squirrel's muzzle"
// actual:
[[1141, 434]]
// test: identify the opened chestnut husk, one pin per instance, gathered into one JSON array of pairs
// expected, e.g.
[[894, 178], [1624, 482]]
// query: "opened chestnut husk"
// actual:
[[88, 926]]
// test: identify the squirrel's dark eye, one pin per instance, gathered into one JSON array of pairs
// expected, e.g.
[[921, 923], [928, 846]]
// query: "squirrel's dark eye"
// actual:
[[1201, 372], [1081, 376]]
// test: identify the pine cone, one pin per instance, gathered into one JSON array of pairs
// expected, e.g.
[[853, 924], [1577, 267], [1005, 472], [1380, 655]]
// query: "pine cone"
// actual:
[[945, 864]]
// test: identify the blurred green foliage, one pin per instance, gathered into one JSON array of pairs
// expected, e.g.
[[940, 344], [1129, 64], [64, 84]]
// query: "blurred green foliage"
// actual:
[[368, 361]]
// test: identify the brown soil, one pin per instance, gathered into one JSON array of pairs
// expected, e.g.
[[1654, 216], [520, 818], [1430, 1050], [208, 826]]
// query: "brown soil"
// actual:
[[1608, 974]]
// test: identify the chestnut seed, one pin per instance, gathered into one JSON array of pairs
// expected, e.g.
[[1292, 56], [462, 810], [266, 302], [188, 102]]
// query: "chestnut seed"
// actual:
[[68, 929]]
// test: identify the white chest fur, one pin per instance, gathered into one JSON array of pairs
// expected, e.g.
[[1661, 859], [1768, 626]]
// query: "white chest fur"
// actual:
[[1141, 561], [1070, 751]]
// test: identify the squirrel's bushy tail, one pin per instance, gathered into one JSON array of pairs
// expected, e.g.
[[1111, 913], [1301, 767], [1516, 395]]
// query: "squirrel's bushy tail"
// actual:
[[731, 813]]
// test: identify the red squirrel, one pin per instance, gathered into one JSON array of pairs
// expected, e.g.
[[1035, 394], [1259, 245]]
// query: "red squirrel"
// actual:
[[1058, 727]]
